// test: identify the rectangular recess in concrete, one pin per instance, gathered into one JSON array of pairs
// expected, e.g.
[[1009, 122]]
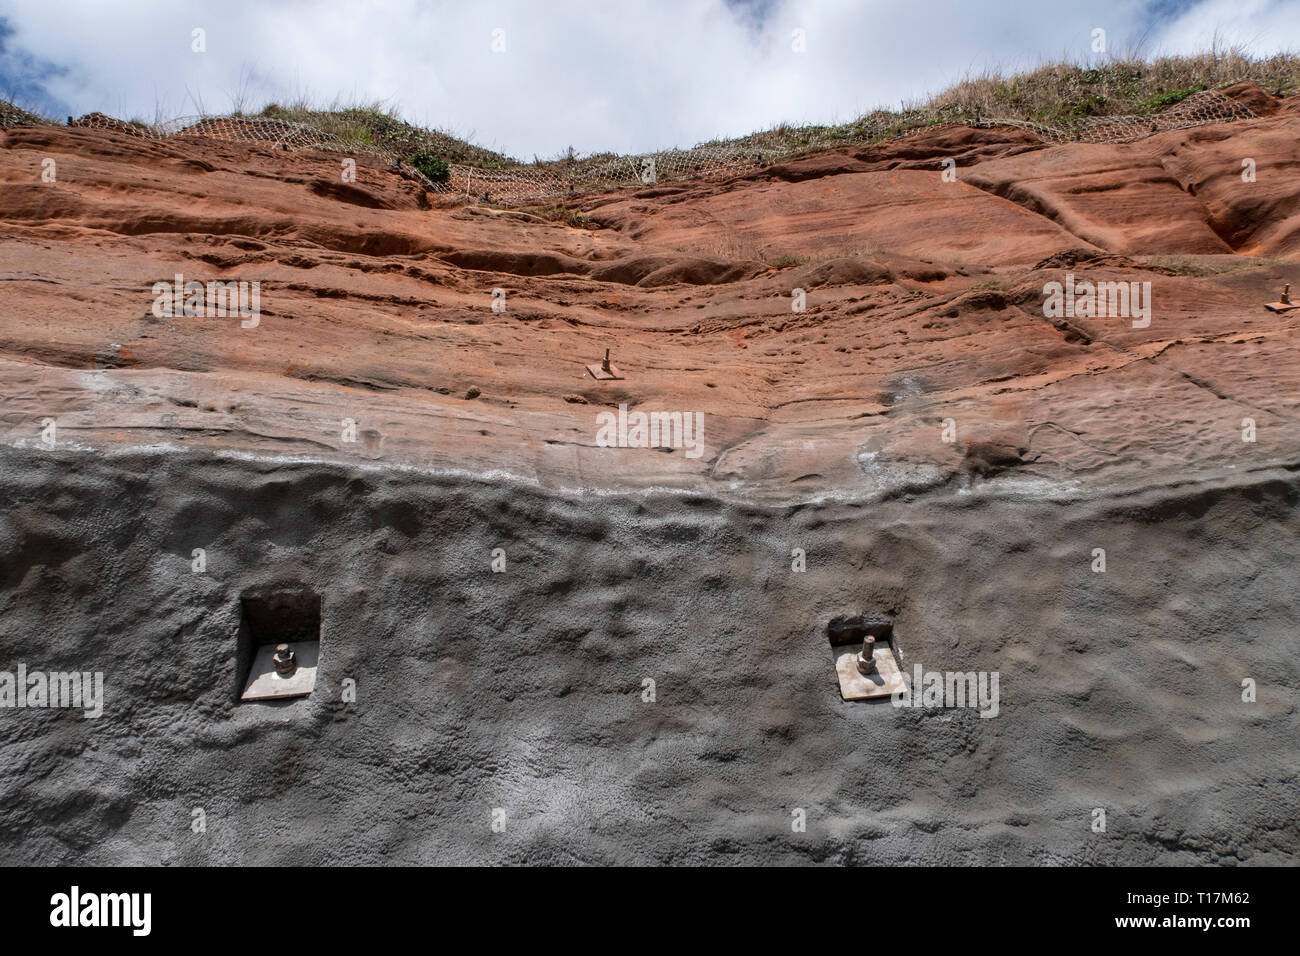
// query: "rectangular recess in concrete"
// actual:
[[846, 636], [291, 618]]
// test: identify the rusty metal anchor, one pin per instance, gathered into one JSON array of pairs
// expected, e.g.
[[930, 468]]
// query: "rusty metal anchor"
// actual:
[[604, 371], [1286, 305]]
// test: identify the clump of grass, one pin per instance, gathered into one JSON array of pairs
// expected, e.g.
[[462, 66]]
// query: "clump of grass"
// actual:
[[13, 115], [1089, 106], [562, 213], [1060, 93], [992, 285], [432, 166], [786, 262], [1188, 265], [1165, 100], [1116, 87], [376, 125]]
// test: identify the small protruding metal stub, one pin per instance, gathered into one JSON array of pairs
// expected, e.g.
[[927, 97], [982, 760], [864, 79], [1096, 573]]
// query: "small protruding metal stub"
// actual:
[[284, 659], [282, 670], [867, 656], [1285, 305], [603, 371]]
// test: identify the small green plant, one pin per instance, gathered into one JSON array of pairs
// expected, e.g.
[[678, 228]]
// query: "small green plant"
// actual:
[[1157, 103], [992, 285], [562, 213], [1089, 106], [431, 166], [786, 262]]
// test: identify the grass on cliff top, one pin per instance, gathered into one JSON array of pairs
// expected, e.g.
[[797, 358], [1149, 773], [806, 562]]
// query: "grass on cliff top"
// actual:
[[379, 127], [13, 115], [1058, 93], [1211, 265], [1055, 94]]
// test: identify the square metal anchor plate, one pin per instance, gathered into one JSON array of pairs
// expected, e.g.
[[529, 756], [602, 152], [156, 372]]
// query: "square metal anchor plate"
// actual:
[[265, 684], [601, 375], [1281, 306], [854, 685]]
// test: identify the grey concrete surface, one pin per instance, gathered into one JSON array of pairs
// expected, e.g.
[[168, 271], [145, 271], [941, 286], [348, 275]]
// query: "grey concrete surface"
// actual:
[[519, 697]]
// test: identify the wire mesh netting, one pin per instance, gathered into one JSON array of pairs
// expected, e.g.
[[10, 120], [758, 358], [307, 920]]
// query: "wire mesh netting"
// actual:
[[558, 180], [1199, 109]]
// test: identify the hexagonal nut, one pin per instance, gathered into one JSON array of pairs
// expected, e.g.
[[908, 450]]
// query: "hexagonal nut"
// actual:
[[867, 656], [284, 659]]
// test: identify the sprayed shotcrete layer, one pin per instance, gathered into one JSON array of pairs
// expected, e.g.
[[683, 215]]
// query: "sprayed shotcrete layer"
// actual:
[[524, 691], [519, 696]]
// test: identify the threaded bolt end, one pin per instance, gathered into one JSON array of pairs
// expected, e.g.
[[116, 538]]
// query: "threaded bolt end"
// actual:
[[285, 660]]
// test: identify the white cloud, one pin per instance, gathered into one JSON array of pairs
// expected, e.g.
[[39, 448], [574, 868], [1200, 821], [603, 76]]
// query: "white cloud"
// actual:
[[625, 76], [1265, 26]]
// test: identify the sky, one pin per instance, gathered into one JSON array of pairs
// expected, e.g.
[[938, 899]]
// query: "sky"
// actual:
[[534, 77]]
